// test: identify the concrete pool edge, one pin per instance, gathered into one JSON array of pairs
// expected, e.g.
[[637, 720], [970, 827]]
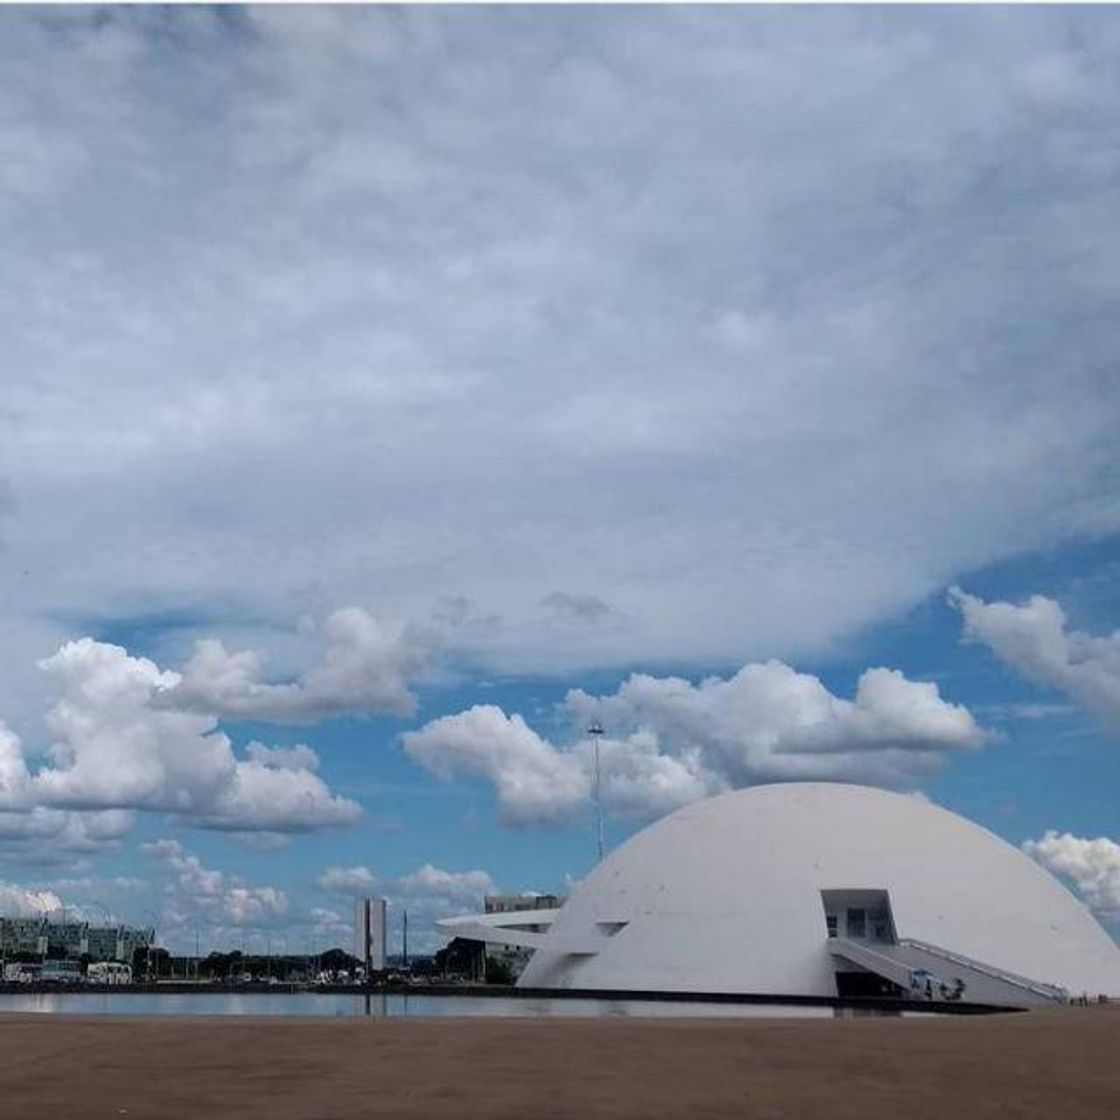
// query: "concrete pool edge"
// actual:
[[494, 991]]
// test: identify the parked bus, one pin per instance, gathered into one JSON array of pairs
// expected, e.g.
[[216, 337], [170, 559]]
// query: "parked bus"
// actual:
[[61, 972], [108, 972]]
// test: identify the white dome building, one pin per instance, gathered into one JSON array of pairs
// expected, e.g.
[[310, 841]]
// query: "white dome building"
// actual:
[[816, 889]]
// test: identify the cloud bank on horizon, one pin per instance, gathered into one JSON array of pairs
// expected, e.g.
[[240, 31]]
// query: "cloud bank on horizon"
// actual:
[[358, 352], [129, 741]]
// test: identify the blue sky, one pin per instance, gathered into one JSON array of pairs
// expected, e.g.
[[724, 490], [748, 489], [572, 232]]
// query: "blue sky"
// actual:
[[388, 393]]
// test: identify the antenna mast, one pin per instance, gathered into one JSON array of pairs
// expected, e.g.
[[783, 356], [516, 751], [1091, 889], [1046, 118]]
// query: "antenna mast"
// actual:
[[596, 733]]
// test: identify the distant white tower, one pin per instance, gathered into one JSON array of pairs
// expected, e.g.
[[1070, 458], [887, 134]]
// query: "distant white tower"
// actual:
[[369, 934], [596, 733]]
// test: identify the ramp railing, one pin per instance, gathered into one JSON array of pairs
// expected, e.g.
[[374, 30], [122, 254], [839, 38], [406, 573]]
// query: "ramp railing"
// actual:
[[1047, 991]]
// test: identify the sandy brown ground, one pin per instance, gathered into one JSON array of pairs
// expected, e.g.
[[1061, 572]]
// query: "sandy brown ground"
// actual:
[[1061, 1064]]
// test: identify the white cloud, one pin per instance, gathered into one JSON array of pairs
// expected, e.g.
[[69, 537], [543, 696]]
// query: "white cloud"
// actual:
[[298, 757], [87, 884], [426, 894], [366, 667], [348, 880], [1093, 866], [277, 800], [330, 921], [724, 346], [32, 832], [535, 783], [118, 746], [427, 882], [671, 742], [1033, 638], [429, 893], [455, 887], [24, 902], [213, 895]]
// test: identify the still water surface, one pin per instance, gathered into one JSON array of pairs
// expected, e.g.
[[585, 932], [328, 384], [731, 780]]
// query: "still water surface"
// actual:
[[386, 1006]]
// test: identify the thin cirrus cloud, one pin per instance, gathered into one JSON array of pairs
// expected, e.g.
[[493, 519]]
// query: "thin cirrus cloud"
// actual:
[[743, 320], [672, 741]]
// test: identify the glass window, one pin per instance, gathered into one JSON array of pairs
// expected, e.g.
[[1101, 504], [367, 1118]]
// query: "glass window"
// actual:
[[857, 922], [830, 920]]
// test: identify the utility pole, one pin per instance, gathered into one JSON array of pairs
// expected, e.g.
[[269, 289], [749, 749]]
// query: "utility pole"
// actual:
[[596, 733]]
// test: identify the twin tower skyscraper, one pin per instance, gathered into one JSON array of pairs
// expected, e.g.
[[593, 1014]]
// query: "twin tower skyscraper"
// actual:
[[370, 934]]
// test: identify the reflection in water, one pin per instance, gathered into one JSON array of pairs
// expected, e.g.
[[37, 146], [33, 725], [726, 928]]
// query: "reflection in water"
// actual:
[[383, 1005], [871, 1013]]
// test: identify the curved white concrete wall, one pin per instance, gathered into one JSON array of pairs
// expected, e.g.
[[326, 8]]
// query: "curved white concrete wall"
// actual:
[[724, 896]]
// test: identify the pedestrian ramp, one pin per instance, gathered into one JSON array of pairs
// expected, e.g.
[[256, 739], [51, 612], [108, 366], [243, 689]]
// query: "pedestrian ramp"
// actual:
[[926, 971]]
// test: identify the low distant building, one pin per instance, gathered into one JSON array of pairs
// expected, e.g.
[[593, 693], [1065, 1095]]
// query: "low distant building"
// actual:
[[67, 939], [129, 939], [42, 937], [104, 943], [512, 959], [511, 903], [23, 936]]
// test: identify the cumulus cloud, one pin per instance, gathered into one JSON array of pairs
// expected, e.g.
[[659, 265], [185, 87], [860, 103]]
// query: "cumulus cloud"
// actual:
[[326, 922], [118, 746], [455, 887], [1092, 866], [348, 880], [671, 741], [299, 757], [426, 894], [427, 883], [535, 783], [1034, 639], [213, 895], [367, 665], [35, 833], [24, 902], [430, 893]]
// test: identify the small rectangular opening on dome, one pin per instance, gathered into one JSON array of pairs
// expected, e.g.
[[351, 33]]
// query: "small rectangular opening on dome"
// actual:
[[860, 913]]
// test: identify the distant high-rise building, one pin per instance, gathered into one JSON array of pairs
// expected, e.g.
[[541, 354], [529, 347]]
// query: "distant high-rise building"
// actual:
[[369, 933]]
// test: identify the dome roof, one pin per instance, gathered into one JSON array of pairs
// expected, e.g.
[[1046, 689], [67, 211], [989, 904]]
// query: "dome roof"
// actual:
[[730, 895]]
